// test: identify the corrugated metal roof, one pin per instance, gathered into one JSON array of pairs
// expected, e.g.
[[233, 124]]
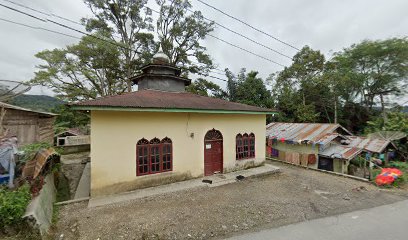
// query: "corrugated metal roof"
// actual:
[[341, 152], [169, 100], [9, 106], [316, 132], [371, 145]]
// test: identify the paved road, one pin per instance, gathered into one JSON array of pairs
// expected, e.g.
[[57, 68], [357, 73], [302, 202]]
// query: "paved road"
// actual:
[[388, 222]]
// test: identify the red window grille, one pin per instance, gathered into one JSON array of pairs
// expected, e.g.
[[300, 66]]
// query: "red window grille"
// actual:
[[143, 166], [167, 153], [245, 146], [251, 145], [154, 156]]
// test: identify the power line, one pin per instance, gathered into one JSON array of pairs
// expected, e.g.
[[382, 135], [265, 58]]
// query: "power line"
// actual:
[[68, 27], [246, 37], [243, 49], [247, 24], [236, 46], [38, 28], [44, 13]]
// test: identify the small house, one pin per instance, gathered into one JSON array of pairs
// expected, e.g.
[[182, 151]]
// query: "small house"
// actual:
[[314, 145], [27, 125], [71, 137], [160, 133]]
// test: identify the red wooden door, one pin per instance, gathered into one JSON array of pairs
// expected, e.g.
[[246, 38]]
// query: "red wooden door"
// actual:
[[213, 153]]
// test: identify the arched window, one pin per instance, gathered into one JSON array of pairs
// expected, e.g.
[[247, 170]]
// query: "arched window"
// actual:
[[142, 162], [167, 153], [251, 145], [245, 146], [154, 156], [239, 147]]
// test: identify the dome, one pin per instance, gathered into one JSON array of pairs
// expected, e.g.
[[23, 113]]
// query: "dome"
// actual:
[[160, 57]]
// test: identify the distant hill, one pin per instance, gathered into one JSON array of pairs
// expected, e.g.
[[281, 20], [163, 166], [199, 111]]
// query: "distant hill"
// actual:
[[36, 102]]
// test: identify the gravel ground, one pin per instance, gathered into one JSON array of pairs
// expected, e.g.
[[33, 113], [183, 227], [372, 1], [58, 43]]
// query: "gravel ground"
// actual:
[[294, 195]]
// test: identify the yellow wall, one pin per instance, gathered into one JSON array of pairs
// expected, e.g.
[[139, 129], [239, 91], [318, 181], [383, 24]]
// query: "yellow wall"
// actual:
[[299, 148], [114, 136]]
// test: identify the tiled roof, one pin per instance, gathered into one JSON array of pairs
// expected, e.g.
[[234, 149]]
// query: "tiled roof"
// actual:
[[154, 99], [316, 132]]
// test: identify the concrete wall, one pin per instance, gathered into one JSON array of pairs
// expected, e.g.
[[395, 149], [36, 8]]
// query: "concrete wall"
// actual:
[[299, 148], [39, 211], [114, 136]]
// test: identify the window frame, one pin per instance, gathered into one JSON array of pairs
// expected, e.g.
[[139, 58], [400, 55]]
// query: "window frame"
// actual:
[[156, 147], [244, 146]]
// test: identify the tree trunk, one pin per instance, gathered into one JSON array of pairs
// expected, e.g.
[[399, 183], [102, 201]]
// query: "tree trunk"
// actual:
[[335, 109], [383, 108], [128, 74]]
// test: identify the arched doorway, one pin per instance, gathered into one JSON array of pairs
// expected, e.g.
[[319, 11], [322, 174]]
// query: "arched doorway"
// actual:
[[213, 152]]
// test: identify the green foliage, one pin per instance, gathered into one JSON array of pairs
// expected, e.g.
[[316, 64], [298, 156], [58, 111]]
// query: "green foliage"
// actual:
[[31, 149], [248, 88], [36, 102], [403, 166], [13, 205], [86, 70], [68, 118], [395, 121], [206, 88], [180, 33]]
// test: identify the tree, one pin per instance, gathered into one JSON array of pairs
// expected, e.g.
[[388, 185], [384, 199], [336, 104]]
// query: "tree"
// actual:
[[82, 71], [68, 118], [382, 66], [206, 88], [130, 23], [180, 34], [251, 90], [299, 91]]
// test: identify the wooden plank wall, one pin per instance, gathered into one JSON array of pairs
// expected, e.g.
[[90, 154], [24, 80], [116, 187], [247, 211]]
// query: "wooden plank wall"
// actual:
[[29, 127]]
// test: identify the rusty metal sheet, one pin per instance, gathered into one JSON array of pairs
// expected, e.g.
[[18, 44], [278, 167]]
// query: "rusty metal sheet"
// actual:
[[34, 167], [301, 131], [341, 152], [371, 145]]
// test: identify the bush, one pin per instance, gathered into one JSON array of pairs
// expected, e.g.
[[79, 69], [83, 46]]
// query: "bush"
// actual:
[[13, 205]]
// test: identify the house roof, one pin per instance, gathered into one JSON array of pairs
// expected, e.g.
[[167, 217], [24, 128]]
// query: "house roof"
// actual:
[[72, 131], [369, 144], [9, 106], [316, 132], [161, 101], [340, 151]]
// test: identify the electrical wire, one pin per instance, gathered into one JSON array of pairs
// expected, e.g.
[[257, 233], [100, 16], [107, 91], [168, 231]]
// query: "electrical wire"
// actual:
[[248, 25], [245, 37], [243, 49], [70, 28], [38, 28]]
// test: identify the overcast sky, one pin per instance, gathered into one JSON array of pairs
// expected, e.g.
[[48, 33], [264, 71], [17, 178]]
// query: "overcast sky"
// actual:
[[326, 25]]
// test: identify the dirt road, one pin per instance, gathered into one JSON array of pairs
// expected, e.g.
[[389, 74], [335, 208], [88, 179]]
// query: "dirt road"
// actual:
[[294, 195]]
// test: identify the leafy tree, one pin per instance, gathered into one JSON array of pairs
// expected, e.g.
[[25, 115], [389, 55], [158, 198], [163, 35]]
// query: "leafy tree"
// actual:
[[128, 22], [206, 88], [180, 30], [68, 118], [299, 91], [85, 70], [251, 90], [396, 121], [382, 66]]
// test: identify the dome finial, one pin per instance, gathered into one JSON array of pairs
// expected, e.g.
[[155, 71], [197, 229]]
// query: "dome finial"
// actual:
[[160, 57]]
